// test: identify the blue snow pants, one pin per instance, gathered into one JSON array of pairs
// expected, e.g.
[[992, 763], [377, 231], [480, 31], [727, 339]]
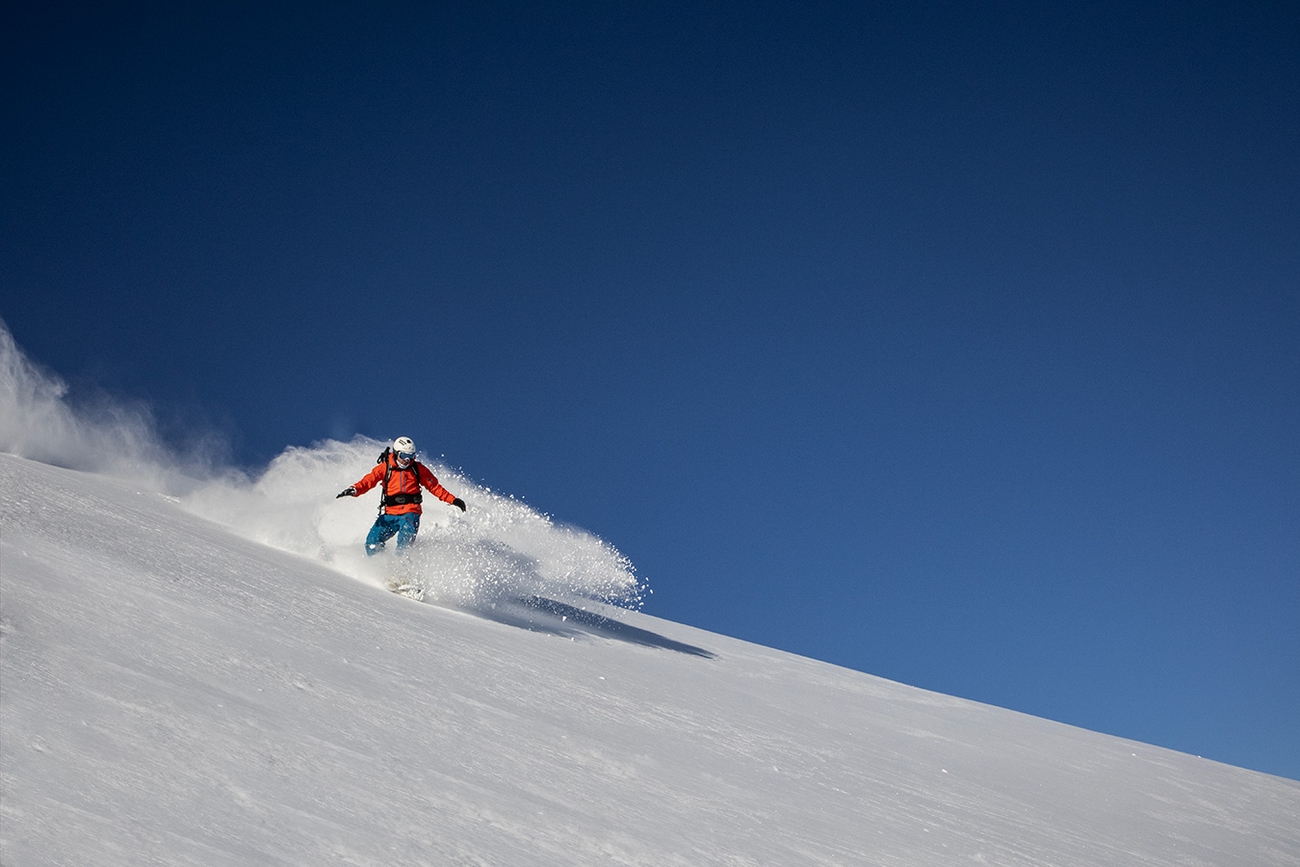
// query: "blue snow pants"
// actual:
[[386, 526]]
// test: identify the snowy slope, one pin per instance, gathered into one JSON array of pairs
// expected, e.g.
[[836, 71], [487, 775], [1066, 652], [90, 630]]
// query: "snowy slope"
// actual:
[[172, 692]]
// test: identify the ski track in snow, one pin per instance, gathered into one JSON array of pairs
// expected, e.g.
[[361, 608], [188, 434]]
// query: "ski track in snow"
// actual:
[[173, 692]]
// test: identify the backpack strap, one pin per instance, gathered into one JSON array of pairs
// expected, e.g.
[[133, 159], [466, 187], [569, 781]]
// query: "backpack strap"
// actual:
[[388, 472]]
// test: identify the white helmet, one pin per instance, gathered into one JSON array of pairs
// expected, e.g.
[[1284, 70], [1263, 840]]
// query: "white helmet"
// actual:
[[404, 447]]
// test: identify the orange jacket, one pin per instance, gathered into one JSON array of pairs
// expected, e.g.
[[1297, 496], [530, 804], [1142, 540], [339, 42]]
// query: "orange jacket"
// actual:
[[403, 481]]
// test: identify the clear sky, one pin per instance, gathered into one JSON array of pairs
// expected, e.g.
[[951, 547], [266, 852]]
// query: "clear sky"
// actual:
[[956, 343]]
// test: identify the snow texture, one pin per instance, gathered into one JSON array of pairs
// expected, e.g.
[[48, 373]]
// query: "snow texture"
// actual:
[[175, 693]]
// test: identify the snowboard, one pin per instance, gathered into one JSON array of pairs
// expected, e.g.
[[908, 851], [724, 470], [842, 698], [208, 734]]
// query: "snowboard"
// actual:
[[405, 587]]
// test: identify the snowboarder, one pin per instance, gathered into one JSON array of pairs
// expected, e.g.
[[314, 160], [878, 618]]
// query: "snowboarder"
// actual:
[[401, 477]]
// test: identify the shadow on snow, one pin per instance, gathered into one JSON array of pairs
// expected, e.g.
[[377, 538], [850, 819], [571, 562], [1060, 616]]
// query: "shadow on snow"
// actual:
[[539, 614]]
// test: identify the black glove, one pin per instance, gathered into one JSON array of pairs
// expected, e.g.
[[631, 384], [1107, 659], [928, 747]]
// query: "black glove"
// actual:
[[459, 503], [349, 491]]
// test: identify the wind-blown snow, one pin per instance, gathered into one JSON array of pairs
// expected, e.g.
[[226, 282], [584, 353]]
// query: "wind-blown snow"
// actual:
[[174, 693], [37, 422], [501, 550]]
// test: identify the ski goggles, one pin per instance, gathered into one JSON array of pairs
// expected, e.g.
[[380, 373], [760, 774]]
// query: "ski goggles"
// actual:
[[405, 457]]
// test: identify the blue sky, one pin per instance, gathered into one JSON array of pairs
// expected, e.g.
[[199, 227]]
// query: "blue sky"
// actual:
[[955, 343]]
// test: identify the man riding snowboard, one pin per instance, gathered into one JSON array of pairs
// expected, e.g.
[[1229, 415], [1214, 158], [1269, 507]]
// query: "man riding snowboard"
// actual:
[[401, 476]]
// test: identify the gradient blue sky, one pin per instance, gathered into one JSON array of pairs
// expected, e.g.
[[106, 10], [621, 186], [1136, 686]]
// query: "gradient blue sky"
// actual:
[[956, 343]]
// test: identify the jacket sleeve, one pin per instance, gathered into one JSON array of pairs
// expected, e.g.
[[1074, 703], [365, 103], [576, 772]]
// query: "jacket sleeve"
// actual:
[[430, 481], [370, 479]]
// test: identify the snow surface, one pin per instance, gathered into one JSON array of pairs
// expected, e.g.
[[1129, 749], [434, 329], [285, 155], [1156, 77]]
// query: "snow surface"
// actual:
[[173, 692]]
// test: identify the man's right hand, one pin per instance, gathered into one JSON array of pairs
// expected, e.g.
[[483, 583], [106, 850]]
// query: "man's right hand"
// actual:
[[349, 491]]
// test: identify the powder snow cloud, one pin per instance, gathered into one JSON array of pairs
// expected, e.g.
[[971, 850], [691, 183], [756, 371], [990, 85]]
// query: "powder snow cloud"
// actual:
[[500, 549]]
